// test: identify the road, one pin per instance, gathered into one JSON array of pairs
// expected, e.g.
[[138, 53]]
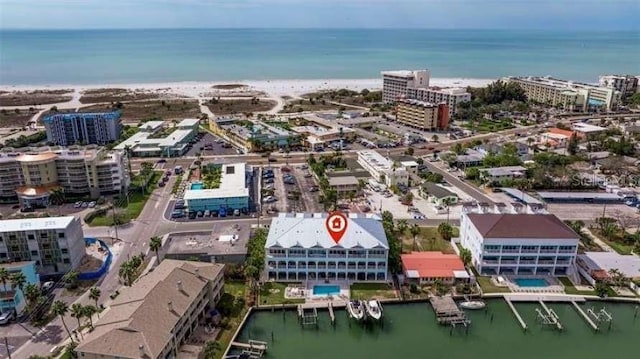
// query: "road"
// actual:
[[473, 191]]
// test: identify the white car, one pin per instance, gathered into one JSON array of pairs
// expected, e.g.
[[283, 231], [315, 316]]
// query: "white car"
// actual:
[[92, 204], [47, 286], [6, 317], [77, 204]]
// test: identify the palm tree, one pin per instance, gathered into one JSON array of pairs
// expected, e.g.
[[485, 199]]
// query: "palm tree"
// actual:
[[94, 293], [155, 243], [89, 311], [77, 311], [32, 293], [18, 280], [56, 196], [402, 226], [210, 349], [71, 279], [465, 256], [447, 202], [126, 272], [445, 230], [60, 308], [434, 138], [414, 230], [4, 277]]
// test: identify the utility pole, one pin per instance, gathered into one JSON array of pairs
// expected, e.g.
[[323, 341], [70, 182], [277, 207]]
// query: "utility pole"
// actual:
[[6, 344]]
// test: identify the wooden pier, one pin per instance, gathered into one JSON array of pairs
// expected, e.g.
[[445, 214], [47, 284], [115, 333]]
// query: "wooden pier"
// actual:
[[448, 313], [585, 316], [515, 312], [331, 313], [255, 349]]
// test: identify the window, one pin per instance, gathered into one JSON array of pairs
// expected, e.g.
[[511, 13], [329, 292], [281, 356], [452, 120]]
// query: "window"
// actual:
[[3, 255], [31, 237], [61, 235], [64, 251], [66, 261], [34, 253]]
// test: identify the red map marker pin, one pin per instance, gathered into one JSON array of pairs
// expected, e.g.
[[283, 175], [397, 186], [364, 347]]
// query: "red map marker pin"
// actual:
[[336, 225]]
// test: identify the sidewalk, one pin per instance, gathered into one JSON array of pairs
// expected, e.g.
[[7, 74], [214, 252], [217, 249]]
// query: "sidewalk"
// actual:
[[605, 247]]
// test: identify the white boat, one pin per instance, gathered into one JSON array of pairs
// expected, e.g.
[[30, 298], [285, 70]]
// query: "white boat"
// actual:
[[374, 309], [355, 308], [472, 304]]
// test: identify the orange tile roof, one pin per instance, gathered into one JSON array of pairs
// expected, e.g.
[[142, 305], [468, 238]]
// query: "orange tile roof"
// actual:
[[432, 264], [36, 191], [560, 131]]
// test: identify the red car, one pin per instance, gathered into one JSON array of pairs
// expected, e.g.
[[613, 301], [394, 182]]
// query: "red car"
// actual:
[[285, 169]]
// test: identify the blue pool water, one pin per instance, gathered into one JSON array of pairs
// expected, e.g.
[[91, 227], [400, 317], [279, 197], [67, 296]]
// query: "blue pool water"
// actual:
[[195, 186], [326, 289], [531, 282]]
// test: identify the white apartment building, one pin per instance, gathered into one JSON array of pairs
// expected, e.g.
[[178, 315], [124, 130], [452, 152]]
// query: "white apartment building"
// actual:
[[153, 318], [30, 176], [299, 248], [382, 169], [626, 84], [56, 244], [573, 96], [395, 84], [519, 244], [82, 128], [451, 96]]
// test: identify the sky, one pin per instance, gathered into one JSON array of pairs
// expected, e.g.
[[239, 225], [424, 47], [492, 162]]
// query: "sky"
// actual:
[[442, 14]]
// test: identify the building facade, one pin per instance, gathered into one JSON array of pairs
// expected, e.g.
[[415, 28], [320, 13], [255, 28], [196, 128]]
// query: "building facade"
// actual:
[[66, 129], [382, 169], [299, 248], [155, 139], [55, 244], [422, 268], [12, 298], [519, 244], [30, 177], [572, 96], [232, 193], [450, 96], [395, 84], [422, 115], [153, 318], [626, 84]]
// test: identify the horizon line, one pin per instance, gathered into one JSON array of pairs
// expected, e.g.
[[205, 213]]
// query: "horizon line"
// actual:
[[316, 28]]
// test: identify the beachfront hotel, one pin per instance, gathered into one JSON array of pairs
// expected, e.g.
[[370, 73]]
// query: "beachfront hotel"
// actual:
[[422, 115], [158, 314], [572, 96], [626, 84], [29, 177], [231, 194], [395, 84], [55, 244], [519, 244], [299, 248], [449, 96], [154, 139], [66, 129]]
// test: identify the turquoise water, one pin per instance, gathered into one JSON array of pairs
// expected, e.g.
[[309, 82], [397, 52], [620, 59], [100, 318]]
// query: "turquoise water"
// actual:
[[197, 186], [531, 282], [122, 56], [326, 289], [410, 331]]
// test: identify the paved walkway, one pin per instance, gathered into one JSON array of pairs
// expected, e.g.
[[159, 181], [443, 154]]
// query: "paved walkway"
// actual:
[[605, 247]]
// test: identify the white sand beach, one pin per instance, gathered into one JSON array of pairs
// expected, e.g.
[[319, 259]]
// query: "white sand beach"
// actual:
[[270, 87]]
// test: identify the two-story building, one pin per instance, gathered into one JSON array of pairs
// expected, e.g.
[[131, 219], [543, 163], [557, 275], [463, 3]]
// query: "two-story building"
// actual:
[[158, 314], [522, 244], [299, 247]]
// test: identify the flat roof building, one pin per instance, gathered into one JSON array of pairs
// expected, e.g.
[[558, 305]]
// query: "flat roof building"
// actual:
[[154, 140], [155, 316], [452, 97], [395, 84], [422, 115], [232, 193], [382, 169], [626, 84], [344, 184], [299, 248], [574, 197], [519, 244], [55, 244], [83, 128], [596, 265]]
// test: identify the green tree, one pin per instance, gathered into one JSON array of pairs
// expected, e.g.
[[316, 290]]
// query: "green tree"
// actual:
[[4, 277], [601, 288], [89, 311], [71, 279], [572, 145], [395, 247], [401, 226], [445, 230], [94, 294], [18, 280], [32, 294], [414, 230], [61, 309], [77, 311], [465, 256], [155, 243], [434, 138], [126, 272], [56, 197], [210, 349]]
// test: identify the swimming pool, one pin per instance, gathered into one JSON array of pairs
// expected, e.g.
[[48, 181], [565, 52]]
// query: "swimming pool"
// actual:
[[326, 289], [197, 185], [531, 282]]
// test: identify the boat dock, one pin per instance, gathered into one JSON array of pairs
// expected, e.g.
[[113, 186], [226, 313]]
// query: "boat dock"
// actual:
[[601, 316], [307, 315], [331, 313], [550, 318], [447, 312], [515, 312], [584, 315], [255, 349]]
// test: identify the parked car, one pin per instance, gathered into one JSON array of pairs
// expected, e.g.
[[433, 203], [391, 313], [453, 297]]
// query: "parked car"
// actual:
[[177, 214], [207, 213], [304, 167], [313, 189], [92, 204], [308, 175], [47, 286], [192, 214], [222, 212], [236, 212], [271, 159], [200, 214], [269, 199], [285, 169], [85, 204], [6, 317], [77, 204], [268, 180], [214, 213], [161, 184]]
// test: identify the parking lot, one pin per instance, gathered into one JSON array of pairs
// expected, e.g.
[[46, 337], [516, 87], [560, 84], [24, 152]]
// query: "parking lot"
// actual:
[[306, 182], [7, 211], [218, 146]]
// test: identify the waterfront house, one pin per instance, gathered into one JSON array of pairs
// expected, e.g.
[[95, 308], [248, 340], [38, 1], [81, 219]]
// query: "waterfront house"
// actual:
[[300, 248], [426, 267]]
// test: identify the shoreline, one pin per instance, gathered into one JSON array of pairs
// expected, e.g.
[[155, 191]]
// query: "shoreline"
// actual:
[[272, 87]]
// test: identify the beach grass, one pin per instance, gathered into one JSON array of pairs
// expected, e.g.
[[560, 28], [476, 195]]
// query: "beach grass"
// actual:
[[301, 105], [168, 110], [227, 107], [115, 95], [364, 291], [35, 97], [13, 119]]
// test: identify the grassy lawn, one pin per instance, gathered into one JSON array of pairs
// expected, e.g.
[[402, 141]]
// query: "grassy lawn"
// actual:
[[233, 307], [621, 248], [273, 293], [570, 289], [428, 240], [127, 213], [372, 291], [236, 289], [488, 287]]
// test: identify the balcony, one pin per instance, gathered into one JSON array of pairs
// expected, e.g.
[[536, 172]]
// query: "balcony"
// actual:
[[525, 262], [337, 255]]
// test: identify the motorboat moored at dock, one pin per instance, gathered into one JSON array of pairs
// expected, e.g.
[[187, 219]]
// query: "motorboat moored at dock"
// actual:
[[374, 309], [355, 308]]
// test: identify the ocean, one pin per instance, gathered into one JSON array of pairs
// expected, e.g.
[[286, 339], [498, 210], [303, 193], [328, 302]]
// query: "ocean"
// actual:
[[81, 57]]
